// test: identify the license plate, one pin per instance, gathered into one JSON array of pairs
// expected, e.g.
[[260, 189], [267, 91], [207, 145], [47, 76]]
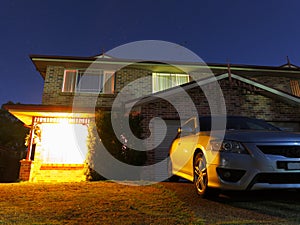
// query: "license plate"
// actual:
[[293, 166]]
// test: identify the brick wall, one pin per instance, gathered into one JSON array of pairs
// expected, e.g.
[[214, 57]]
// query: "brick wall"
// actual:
[[280, 83], [53, 86], [59, 173], [142, 78], [34, 171], [25, 170], [53, 95], [238, 100]]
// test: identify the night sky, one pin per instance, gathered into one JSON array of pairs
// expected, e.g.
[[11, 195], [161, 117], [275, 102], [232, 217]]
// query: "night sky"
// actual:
[[244, 32]]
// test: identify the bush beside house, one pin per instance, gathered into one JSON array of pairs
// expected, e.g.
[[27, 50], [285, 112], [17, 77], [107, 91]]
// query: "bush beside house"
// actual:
[[101, 130]]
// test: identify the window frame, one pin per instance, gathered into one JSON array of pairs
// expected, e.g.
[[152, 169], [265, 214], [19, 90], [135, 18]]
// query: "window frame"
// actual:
[[74, 86], [69, 86], [168, 76]]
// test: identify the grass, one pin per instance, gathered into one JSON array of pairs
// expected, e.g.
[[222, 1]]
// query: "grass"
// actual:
[[90, 203], [165, 203]]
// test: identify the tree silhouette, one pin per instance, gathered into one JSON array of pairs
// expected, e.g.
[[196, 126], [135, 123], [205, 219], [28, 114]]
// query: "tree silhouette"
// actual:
[[12, 131]]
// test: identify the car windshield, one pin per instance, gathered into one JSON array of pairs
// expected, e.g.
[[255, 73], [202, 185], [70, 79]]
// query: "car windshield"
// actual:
[[235, 123]]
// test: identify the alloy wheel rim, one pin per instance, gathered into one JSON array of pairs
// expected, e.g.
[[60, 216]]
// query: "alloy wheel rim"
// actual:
[[200, 175]]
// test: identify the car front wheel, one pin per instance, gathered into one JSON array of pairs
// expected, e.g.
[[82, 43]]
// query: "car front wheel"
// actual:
[[201, 177]]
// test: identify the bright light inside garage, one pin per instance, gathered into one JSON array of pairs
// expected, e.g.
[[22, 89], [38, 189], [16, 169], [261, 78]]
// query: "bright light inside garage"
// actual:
[[63, 142]]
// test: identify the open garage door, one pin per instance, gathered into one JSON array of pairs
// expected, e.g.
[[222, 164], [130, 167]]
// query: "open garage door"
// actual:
[[161, 152]]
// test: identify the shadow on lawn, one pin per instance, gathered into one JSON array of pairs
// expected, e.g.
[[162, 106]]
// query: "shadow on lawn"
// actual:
[[258, 207], [263, 195], [284, 204]]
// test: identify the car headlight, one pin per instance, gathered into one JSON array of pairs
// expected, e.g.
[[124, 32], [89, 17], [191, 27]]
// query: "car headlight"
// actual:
[[228, 146]]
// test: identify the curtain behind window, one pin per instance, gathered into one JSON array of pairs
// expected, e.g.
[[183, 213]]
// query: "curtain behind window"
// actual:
[[69, 81], [163, 81]]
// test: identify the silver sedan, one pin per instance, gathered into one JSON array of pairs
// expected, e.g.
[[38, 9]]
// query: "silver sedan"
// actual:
[[235, 153]]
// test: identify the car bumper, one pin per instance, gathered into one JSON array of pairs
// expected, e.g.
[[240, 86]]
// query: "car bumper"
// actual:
[[248, 172]]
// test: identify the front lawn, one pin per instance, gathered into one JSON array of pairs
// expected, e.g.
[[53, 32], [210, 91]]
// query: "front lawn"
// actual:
[[90, 203]]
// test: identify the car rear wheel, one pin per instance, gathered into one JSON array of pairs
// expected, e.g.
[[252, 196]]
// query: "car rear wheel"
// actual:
[[201, 177]]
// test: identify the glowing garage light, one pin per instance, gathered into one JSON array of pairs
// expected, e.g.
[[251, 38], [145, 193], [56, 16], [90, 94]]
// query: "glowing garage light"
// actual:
[[64, 122], [63, 142]]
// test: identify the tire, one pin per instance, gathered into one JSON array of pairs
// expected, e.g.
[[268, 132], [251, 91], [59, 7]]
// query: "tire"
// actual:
[[201, 177], [172, 177]]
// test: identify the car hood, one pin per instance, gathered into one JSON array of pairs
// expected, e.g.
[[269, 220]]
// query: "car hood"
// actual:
[[262, 136]]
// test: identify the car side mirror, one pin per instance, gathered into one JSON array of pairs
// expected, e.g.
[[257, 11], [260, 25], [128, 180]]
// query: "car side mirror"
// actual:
[[185, 130]]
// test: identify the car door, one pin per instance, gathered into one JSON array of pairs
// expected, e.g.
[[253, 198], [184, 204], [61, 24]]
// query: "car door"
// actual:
[[184, 146]]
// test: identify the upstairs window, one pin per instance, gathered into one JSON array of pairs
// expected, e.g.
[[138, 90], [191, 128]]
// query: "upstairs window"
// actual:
[[69, 81], [163, 81], [88, 81], [295, 88]]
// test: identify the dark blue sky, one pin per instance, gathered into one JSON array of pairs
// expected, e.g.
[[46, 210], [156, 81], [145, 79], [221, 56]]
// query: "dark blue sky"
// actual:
[[246, 32]]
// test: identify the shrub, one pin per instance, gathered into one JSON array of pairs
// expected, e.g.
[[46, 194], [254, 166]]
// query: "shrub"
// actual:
[[122, 151]]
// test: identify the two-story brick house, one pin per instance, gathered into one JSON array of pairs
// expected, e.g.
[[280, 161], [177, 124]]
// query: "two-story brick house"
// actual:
[[75, 86]]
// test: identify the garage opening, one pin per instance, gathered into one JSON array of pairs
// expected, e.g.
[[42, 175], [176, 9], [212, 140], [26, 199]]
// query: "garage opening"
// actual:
[[162, 151]]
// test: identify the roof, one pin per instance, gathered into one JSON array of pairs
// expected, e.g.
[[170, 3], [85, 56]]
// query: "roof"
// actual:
[[42, 61], [289, 66], [25, 112]]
